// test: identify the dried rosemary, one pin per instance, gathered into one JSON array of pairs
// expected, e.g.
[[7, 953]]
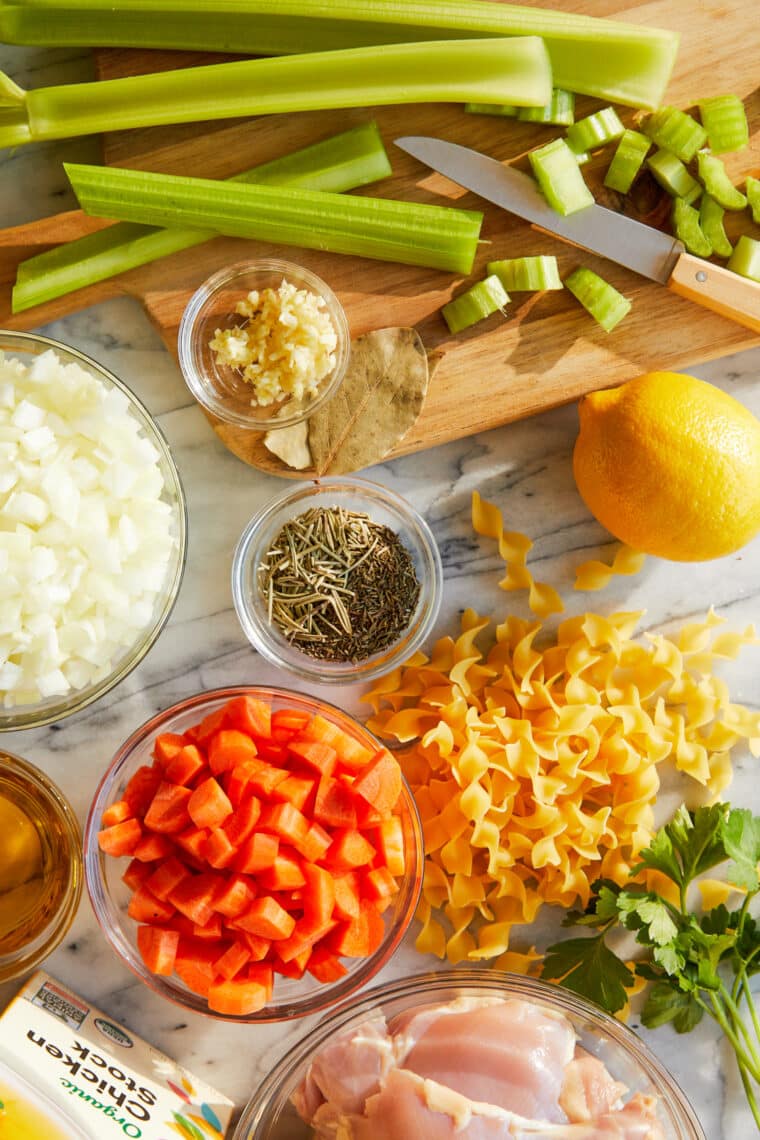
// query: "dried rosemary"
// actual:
[[337, 585]]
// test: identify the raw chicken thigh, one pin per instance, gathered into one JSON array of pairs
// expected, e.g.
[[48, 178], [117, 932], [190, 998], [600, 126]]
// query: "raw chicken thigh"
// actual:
[[474, 1069]]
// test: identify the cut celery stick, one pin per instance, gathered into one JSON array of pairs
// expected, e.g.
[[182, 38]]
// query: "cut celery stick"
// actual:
[[711, 224], [675, 131], [475, 305], [526, 274], [343, 162], [673, 176], [619, 62], [627, 161], [491, 71], [688, 230], [508, 110], [752, 188], [560, 111], [595, 130], [598, 297], [557, 172], [718, 185], [440, 237], [725, 120], [745, 259]]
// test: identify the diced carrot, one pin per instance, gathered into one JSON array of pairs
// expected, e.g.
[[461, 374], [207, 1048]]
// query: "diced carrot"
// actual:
[[389, 841], [136, 874], [194, 977], [266, 918], [194, 897], [262, 973], [211, 931], [165, 878], [314, 844], [379, 782], [378, 884], [349, 849], [290, 720], [304, 937], [168, 809], [257, 853], [117, 813], [228, 748], [249, 715], [201, 733], [265, 780], [243, 820], [284, 820], [334, 805], [236, 896], [218, 850], [258, 947], [296, 790], [284, 874], [347, 897], [193, 841], [237, 781], [295, 967], [319, 895], [325, 966], [153, 847], [236, 999], [145, 907], [194, 964], [141, 789], [121, 839], [275, 754], [352, 755], [158, 948], [167, 745], [209, 804], [183, 767], [316, 755], [360, 937], [233, 959]]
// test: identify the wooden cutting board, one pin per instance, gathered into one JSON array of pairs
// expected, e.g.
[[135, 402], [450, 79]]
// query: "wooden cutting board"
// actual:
[[548, 351]]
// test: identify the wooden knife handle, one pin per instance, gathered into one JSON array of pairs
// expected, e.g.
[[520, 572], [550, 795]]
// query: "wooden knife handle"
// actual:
[[717, 289]]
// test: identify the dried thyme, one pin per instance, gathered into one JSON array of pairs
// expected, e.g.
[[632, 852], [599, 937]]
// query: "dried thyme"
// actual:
[[337, 585]]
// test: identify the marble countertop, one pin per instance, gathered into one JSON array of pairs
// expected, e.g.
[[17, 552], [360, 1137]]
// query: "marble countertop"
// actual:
[[524, 467]]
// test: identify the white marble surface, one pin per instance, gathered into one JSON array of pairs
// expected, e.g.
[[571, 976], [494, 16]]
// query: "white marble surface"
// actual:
[[525, 468]]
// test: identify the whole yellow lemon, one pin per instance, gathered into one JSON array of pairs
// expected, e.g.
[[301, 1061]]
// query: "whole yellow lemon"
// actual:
[[671, 466]]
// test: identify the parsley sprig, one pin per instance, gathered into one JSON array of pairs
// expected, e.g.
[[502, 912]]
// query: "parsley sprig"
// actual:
[[698, 962]]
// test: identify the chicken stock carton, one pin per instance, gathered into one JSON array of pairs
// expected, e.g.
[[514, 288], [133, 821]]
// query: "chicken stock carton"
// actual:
[[68, 1072]]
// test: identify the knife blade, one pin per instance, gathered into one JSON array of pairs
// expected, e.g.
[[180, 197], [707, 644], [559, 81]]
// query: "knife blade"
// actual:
[[641, 248]]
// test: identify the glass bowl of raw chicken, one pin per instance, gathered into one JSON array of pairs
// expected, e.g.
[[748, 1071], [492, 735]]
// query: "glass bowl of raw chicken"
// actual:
[[469, 1055]]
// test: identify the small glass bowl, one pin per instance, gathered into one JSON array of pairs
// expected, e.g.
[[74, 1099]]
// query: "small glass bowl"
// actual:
[[25, 347], [110, 897], [383, 506], [270, 1115], [220, 389], [51, 912]]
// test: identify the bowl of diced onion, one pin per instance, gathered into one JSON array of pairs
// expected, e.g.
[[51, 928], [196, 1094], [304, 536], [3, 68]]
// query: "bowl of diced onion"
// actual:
[[93, 531]]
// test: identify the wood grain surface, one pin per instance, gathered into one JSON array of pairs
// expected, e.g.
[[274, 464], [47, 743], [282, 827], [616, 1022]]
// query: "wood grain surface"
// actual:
[[547, 351]]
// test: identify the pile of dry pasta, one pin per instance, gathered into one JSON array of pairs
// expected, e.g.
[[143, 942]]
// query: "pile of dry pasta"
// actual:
[[535, 765]]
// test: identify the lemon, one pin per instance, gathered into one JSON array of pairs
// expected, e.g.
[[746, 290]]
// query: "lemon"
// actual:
[[671, 466]]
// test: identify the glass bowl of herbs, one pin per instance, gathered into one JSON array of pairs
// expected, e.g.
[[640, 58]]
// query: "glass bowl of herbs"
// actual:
[[337, 581]]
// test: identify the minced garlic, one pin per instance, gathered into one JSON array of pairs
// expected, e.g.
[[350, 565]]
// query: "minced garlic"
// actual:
[[284, 348]]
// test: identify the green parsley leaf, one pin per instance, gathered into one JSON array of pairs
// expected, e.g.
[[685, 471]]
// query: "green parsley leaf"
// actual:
[[698, 838], [741, 838], [660, 856], [649, 914], [589, 968], [665, 1002]]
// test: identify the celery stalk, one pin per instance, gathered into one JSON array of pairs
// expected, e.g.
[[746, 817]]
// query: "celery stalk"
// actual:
[[716, 182], [343, 162], [560, 111], [598, 297], [506, 110], [688, 230], [627, 161], [745, 259], [673, 176], [675, 131], [559, 176], [711, 224], [490, 71], [725, 120], [441, 237], [485, 297], [752, 187], [595, 130], [527, 274], [612, 60]]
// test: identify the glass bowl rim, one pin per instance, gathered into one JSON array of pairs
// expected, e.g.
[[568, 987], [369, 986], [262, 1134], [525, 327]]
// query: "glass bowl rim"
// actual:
[[15, 719], [104, 910]]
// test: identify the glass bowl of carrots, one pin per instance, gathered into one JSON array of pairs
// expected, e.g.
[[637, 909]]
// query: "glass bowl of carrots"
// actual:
[[253, 854]]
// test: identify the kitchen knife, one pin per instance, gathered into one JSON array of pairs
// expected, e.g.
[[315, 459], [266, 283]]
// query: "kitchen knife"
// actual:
[[641, 248]]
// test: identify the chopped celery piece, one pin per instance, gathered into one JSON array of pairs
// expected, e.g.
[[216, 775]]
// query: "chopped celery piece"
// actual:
[[343, 162], [688, 230], [583, 157], [615, 61], [627, 161], [475, 305], [440, 237], [560, 111], [711, 224], [557, 172], [673, 176], [745, 259], [753, 196], [595, 130], [716, 182], [675, 131], [725, 120], [527, 274], [598, 297], [508, 110], [492, 70]]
